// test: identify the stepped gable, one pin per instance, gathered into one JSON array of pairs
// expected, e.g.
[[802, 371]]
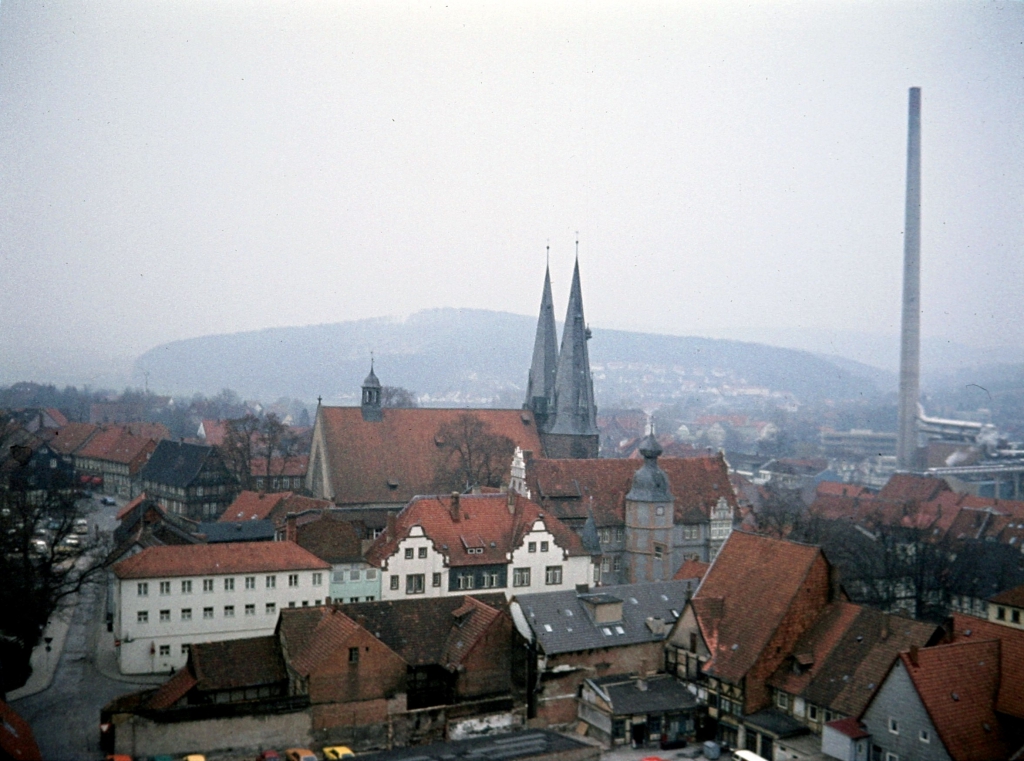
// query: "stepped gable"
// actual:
[[217, 559], [1011, 696], [396, 458], [750, 573], [957, 684], [571, 488], [252, 506], [72, 436], [424, 631], [484, 521]]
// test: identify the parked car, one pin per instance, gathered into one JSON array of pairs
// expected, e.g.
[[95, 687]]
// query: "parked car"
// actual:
[[81, 526], [300, 754], [268, 755], [111, 501], [337, 752]]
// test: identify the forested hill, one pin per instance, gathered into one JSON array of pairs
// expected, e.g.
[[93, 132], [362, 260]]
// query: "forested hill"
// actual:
[[461, 356]]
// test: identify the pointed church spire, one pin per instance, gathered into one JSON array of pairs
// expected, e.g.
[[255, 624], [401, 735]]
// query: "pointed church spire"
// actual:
[[540, 388], [575, 411]]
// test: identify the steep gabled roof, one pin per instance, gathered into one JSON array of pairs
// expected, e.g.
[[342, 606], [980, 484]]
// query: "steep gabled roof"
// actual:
[[957, 684], [176, 463], [311, 636], [561, 622], [424, 631], [751, 573], [484, 524], [398, 457], [907, 487], [1011, 696], [541, 381], [570, 488], [72, 436], [841, 660], [252, 505], [218, 559]]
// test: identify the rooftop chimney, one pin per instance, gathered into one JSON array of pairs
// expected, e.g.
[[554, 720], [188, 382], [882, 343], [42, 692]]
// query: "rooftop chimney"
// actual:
[[910, 337], [455, 507]]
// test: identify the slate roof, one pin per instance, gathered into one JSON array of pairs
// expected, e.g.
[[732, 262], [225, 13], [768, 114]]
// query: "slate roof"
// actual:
[[570, 488], [239, 531], [175, 463], [575, 411], [630, 694], [215, 559], [957, 684], [484, 522], [750, 573], [252, 505], [236, 663], [429, 631], [364, 457], [1011, 696], [846, 654], [572, 629]]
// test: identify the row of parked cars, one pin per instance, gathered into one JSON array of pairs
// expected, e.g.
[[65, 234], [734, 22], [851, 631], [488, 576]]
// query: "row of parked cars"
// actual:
[[330, 753]]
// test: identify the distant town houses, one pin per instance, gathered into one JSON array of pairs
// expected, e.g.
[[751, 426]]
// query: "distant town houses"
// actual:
[[189, 479], [169, 597]]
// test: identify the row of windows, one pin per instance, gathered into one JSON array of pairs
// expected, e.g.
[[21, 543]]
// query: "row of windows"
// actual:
[[415, 583], [354, 575], [209, 585], [270, 608], [1001, 615]]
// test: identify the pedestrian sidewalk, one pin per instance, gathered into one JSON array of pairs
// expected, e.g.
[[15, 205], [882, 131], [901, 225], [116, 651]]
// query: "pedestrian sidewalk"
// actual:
[[106, 662], [44, 664]]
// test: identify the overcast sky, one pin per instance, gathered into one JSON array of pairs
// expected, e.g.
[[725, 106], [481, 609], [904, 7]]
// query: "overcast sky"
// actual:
[[174, 169]]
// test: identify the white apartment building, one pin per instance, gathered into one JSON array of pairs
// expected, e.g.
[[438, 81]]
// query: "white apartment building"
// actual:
[[454, 545], [169, 597]]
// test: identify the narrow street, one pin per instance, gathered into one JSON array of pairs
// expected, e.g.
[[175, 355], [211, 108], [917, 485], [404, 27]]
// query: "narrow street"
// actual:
[[65, 717]]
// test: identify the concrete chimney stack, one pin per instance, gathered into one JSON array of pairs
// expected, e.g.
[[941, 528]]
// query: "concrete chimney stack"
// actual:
[[910, 336]]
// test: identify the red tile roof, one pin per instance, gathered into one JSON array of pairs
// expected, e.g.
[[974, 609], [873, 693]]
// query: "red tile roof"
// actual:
[[215, 431], [57, 416], [850, 727], [116, 444], [397, 458], [958, 684], [691, 569], [571, 488], [1014, 597], [171, 691], [484, 522], [1011, 696], [842, 490], [252, 506], [214, 559], [906, 487], [72, 436], [123, 512], [750, 573]]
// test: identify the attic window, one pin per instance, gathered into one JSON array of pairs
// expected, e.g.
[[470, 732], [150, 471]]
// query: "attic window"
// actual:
[[392, 484], [619, 630], [633, 600], [525, 418], [439, 440], [568, 612], [607, 631]]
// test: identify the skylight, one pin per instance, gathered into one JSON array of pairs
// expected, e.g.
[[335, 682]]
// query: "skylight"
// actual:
[[547, 628], [607, 631]]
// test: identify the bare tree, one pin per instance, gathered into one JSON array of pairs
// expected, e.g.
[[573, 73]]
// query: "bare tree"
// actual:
[[396, 396], [472, 455], [242, 446]]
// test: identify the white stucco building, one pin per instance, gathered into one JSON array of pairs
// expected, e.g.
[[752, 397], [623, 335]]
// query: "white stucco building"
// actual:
[[453, 545], [169, 597]]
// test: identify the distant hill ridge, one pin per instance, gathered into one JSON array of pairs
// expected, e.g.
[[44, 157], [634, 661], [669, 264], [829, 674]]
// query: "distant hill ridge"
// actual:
[[466, 356]]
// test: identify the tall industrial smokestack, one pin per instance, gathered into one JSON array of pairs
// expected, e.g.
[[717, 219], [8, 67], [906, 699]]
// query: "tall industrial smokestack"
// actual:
[[910, 337]]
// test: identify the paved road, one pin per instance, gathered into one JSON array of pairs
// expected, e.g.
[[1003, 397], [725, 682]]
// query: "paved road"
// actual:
[[65, 717]]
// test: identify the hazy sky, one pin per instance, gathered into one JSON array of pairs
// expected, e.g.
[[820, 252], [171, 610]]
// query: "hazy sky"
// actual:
[[173, 169]]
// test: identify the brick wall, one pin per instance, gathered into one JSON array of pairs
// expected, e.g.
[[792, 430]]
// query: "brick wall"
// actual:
[[489, 664], [378, 673]]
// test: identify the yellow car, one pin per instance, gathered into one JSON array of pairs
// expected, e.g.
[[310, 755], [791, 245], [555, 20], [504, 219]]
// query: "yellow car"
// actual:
[[338, 752]]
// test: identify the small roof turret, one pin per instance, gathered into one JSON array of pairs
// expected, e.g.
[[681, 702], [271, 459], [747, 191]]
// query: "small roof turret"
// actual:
[[650, 483]]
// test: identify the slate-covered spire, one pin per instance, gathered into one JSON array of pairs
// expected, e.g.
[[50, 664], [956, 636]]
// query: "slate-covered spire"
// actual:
[[540, 388], [575, 411]]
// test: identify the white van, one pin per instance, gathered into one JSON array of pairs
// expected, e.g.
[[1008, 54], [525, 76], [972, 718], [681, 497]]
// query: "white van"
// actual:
[[747, 755]]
